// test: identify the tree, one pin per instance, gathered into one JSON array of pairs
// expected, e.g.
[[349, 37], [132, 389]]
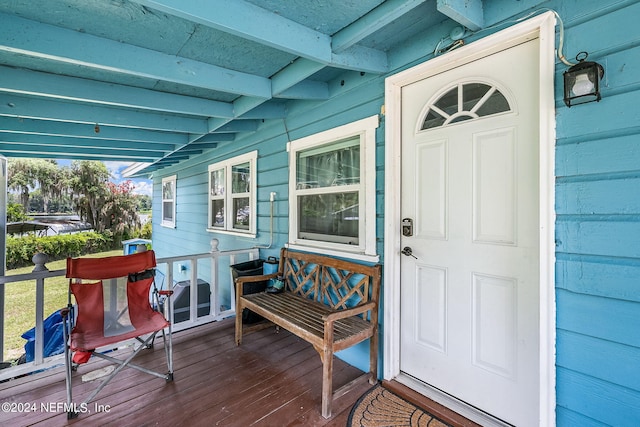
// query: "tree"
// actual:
[[103, 204], [29, 175], [21, 178], [36, 202], [119, 213], [85, 184], [89, 185], [53, 182], [46, 175], [144, 202]]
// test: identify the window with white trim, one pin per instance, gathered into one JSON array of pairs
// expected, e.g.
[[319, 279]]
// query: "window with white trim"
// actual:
[[332, 190], [169, 201], [232, 195]]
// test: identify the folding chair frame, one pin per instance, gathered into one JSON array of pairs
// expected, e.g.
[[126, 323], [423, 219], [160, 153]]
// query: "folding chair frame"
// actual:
[[68, 322]]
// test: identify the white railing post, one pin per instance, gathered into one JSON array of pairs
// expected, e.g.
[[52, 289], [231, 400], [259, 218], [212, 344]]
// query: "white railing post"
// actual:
[[215, 289], [232, 261], [39, 260], [170, 288], [193, 285], [3, 244]]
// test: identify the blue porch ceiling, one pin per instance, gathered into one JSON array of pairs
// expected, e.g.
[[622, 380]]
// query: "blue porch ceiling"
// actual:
[[158, 81]]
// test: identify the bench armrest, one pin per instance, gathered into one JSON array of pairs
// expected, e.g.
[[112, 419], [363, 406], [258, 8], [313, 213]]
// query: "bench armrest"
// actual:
[[240, 281], [329, 319], [349, 312]]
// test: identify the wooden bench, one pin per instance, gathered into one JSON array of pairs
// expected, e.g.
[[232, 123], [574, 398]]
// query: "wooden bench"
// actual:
[[330, 303]]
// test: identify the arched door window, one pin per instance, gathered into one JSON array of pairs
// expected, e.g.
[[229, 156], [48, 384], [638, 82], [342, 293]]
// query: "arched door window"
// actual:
[[464, 101]]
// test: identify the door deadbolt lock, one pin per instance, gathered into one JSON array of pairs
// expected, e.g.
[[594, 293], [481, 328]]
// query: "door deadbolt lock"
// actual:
[[407, 227]]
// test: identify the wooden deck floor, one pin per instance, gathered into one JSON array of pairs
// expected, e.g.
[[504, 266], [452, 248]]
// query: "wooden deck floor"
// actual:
[[271, 380]]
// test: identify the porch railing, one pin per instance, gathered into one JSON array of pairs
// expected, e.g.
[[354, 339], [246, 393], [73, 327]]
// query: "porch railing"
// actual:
[[197, 270]]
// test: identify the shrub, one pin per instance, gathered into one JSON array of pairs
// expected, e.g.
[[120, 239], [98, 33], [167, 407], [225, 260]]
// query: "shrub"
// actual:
[[145, 231], [20, 250], [15, 213]]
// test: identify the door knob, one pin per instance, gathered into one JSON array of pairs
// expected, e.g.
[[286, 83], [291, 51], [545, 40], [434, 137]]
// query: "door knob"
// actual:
[[408, 252]]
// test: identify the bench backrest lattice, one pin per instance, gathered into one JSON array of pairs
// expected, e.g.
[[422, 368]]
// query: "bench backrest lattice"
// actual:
[[337, 286]]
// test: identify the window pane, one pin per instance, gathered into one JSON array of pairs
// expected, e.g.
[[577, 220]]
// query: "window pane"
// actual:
[[241, 213], [496, 103], [329, 217], [460, 119], [217, 182], [241, 178], [167, 190], [449, 102], [472, 93], [167, 211], [330, 165], [217, 213], [433, 120]]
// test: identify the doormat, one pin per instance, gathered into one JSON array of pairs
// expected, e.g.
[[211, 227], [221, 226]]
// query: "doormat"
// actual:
[[380, 407]]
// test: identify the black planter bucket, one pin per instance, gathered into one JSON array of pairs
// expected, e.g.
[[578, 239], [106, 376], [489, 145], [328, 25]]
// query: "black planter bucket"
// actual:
[[250, 268]]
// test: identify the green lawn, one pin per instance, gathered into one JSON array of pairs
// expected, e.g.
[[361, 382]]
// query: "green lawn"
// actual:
[[20, 304]]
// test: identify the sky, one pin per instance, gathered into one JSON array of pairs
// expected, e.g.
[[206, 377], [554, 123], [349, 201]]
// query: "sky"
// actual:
[[142, 186]]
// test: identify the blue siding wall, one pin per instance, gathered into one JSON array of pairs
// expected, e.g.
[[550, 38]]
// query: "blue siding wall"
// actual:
[[598, 224], [597, 199]]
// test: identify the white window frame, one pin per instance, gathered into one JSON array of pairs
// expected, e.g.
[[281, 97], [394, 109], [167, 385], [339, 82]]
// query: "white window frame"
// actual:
[[365, 250], [173, 180], [227, 166]]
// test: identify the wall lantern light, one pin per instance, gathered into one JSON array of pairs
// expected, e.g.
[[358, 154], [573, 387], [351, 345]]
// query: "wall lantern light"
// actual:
[[582, 81]]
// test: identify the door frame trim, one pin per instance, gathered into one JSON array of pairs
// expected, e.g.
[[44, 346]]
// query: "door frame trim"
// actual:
[[542, 27]]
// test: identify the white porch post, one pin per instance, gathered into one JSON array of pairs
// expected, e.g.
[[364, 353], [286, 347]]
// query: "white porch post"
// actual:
[[3, 243]]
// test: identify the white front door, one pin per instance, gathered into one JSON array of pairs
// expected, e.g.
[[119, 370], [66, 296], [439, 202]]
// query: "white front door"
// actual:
[[469, 293]]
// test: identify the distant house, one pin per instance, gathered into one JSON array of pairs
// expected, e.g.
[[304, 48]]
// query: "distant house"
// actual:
[[431, 137]]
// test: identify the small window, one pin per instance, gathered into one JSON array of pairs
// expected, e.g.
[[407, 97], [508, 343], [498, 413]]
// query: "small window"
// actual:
[[465, 101], [332, 190], [169, 201], [232, 190]]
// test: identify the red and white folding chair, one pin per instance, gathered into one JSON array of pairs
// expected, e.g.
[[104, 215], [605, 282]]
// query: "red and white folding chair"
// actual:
[[112, 302]]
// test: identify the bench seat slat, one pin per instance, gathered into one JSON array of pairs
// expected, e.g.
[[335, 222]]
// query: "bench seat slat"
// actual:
[[293, 312]]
